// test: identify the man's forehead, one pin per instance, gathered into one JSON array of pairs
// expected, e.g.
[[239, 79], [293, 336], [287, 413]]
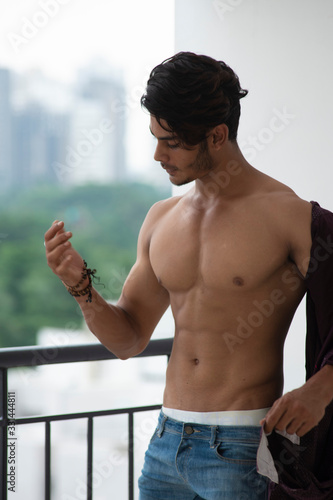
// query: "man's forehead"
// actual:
[[160, 130]]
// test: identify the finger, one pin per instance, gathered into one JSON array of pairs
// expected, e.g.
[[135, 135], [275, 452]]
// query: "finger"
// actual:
[[288, 423], [60, 238], [57, 246], [274, 418], [57, 254], [303, 429], [305, 424], [50, 233], [294, 426], [61, 225]]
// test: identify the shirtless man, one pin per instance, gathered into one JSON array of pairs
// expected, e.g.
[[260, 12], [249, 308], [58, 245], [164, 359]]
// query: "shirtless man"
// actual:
[[230, 257]]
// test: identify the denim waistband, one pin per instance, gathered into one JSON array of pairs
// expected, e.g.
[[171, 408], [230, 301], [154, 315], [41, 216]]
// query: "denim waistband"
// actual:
[[211, 433]]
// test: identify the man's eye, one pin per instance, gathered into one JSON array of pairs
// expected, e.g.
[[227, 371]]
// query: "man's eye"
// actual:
[[173, 146]]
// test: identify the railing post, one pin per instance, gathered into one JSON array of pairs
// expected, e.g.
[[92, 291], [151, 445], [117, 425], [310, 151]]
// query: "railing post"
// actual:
[[90, 460], [47, 461], [130, 456], [3, 433]]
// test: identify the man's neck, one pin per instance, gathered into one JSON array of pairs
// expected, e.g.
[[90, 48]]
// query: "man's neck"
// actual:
[[232, 176]]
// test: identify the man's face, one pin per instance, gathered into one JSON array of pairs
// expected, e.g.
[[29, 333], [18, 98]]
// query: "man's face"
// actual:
[[182, 165]]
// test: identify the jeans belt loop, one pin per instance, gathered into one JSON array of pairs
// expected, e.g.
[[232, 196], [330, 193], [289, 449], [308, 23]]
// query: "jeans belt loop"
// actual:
[[161, 426], [213, 436]]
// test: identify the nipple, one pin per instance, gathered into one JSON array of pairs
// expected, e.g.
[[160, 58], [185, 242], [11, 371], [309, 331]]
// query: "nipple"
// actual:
[[238, 281]]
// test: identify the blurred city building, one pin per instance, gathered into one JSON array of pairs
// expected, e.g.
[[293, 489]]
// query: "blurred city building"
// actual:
[[65, 134], [6, 116]]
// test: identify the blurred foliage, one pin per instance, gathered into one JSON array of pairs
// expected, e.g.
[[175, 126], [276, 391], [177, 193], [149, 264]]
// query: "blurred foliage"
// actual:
[[105, 221]]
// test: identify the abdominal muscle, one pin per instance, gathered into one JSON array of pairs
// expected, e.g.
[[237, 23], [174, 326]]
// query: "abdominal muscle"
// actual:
[[212, 369]]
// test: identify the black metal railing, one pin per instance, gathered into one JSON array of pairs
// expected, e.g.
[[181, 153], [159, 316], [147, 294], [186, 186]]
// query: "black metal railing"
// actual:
[[35, 356]]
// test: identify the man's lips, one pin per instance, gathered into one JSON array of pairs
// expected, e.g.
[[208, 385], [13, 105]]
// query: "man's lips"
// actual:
[[168, 168]]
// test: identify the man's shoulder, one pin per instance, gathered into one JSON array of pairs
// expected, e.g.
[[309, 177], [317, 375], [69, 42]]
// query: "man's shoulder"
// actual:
[[281, 200], [162, 207], [288, 211], [286, 202], [156, 213], [290, 217]]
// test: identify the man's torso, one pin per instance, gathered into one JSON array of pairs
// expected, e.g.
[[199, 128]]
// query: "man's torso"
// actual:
[[233, 288]]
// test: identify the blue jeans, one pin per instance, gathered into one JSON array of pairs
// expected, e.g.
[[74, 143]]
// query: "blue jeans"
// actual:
[[202, 462]]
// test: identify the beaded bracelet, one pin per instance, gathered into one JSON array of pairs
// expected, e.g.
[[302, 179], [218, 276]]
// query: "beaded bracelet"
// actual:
[[86, 273]]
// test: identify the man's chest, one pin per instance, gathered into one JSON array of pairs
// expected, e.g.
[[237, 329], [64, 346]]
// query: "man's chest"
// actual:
[[219, 253]]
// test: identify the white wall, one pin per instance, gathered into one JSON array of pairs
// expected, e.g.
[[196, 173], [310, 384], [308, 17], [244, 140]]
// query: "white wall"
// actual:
[[281, 51]]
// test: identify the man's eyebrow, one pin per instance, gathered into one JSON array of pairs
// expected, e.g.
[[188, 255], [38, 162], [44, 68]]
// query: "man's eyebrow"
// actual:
[[163, 138]]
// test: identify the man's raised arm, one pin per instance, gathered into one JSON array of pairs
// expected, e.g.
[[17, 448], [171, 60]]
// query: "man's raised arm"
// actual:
[[125, 329]]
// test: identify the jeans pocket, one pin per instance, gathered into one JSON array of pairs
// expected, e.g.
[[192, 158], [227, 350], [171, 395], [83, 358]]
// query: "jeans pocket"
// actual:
[[237, 452], [154, 436]]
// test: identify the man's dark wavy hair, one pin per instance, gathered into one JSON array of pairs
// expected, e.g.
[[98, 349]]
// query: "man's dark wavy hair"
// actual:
[[194, 93]]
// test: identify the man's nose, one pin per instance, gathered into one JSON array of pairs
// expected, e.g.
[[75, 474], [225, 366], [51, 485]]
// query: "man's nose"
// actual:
[[161, 154]]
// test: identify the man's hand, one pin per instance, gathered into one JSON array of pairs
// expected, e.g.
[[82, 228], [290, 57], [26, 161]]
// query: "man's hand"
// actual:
[[295, 412], [61, 257], [302, 409]]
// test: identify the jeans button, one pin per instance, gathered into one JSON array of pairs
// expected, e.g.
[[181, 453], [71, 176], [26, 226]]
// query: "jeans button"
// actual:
[[188, 429]]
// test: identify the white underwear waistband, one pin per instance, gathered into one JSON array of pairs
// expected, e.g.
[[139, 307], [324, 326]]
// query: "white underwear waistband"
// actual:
[[239, 417]]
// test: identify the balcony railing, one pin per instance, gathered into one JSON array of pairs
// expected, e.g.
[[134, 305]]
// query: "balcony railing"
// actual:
[[35, 356]]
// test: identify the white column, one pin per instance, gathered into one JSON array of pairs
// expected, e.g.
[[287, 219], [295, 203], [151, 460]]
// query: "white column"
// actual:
[[282, 53]]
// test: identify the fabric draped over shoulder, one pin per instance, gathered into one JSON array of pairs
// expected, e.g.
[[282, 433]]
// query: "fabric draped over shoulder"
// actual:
[[307, 472]]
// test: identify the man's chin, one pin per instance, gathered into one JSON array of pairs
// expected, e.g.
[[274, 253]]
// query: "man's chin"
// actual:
[[180, 182]]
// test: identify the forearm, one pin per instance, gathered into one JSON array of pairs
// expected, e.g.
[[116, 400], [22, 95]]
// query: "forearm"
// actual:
[[125, 329], [111, 325], [302, 409], [322, 384]]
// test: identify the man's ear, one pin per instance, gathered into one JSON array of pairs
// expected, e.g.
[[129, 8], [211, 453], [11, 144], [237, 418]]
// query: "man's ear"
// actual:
[[219, 135]]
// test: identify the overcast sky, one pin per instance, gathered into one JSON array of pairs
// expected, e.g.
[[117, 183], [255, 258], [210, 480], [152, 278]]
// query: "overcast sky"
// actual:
[[61, 36]]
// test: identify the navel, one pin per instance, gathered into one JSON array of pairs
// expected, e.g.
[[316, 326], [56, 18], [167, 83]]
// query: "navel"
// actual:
[[238, 281], [196, 361]]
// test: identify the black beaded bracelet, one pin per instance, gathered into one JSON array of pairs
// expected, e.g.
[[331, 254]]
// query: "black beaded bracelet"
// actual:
[[86, 273]]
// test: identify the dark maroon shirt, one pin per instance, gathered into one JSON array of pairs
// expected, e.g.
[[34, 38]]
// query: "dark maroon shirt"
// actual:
[[306, 470]]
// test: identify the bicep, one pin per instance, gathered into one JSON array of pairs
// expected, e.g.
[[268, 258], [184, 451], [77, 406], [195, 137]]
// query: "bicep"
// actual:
[[293, 221], [143, 299], [301, 240]]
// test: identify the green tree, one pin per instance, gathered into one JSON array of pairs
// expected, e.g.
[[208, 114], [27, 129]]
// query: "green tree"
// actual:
[[105, 221]]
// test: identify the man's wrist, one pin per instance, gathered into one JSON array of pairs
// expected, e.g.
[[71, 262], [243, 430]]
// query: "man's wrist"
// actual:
[[83, 287], [322, 382], [80, 285]]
